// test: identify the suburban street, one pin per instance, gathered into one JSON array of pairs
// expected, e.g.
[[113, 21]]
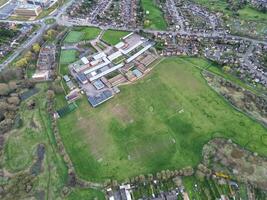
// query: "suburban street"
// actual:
[[58, 15]]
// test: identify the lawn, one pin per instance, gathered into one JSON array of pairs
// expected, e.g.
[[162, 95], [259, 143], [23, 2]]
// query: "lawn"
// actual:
[[154, 19], [74, 37], [161, 122], [79, 194], [68, 56], [113, 37], [90, 33], [82, 33]]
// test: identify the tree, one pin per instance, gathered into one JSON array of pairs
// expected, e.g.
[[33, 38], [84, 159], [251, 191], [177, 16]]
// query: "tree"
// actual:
[[28, 55], [13, 100], [50, 94], [49, 34], [23, 62], [36, 48], [226, 68], [12, 85], [4, 89]]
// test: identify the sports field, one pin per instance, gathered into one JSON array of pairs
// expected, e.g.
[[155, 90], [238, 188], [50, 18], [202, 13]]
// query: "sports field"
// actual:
[[68, 56], [161, 122], [113, 37], [73, 37], [154, 18], [82, 33]]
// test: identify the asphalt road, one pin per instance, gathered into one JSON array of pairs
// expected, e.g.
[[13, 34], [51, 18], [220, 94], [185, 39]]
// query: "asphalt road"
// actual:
[[36, 35]]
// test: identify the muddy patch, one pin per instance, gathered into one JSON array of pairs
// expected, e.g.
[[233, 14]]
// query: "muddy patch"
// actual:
[[122, 113]]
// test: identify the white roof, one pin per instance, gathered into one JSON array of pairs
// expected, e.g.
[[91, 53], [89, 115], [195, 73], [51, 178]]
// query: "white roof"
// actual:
[[106, 72], [100, 55], [131, 48], [97, 67], [40, 74], [93, 73], [119, 45], [127, 35], [111, 198], [114, 55], [94, 62], [138, 53], [85, 60]]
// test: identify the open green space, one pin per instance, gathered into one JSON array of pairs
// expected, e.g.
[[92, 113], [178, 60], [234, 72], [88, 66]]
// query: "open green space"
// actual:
[[74, 37], [248, 13], [50, 21], [82, 33], [113, 37], [21, 145], [89, 33], [68, 56], [161, 122], [79, 194], [154, 18]]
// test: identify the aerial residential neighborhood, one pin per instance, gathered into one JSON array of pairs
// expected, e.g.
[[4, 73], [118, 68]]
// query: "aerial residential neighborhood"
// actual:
[[133, 100]]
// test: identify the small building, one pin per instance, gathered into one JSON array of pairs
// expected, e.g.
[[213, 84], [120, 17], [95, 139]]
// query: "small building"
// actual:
[[41, 76], [98, 84], [70, 85], [137, 73], [82, 78], [73, 95], [100, 98], [125, 191], [66, 78]]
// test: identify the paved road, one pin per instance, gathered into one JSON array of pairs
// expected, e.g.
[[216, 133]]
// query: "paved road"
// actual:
[[32, 39], [36, 35], [82, 22]]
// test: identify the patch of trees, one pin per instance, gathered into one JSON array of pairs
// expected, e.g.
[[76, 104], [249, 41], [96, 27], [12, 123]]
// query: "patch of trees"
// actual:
[[19, 187], [9, 103], [6, 33], [163, 175]]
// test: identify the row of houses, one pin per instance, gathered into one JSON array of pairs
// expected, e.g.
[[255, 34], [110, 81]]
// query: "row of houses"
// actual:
[[244, 57], [45, 63]]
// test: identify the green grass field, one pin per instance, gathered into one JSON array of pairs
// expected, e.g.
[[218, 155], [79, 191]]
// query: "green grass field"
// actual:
[[82, 33], [90, 33], [155, 18], [80, 194], [161, 122], [113, 37], [68, 56], [74, 37], [251, 14]]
